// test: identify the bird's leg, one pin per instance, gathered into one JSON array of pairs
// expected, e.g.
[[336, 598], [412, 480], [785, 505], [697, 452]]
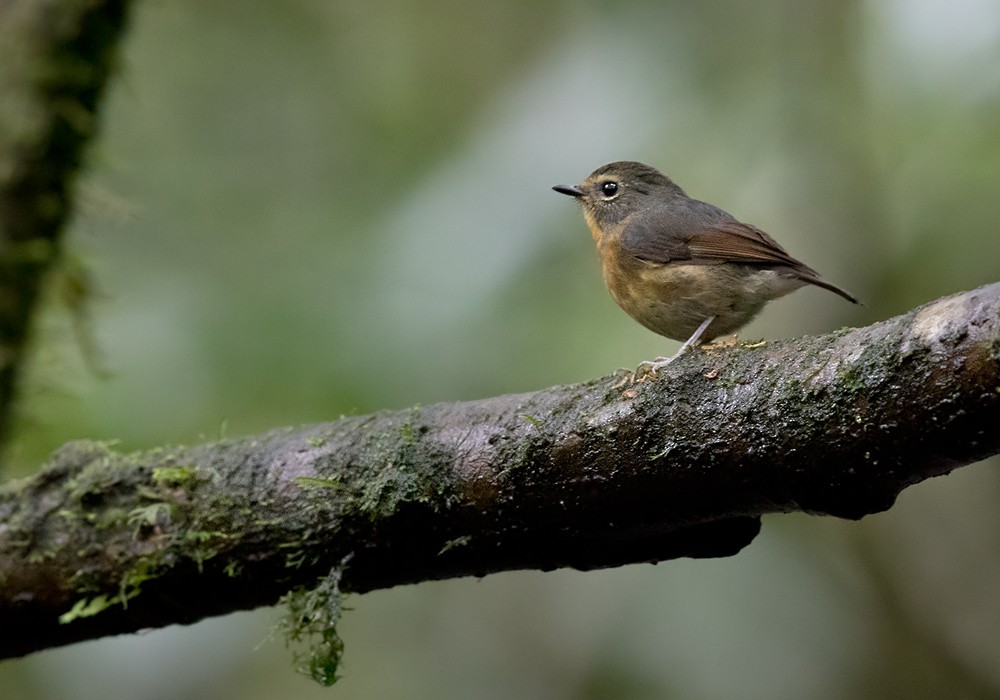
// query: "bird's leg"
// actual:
[[650, 367]]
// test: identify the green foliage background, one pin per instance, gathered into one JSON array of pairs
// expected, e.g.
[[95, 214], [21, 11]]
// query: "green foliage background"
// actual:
[[306, 209]]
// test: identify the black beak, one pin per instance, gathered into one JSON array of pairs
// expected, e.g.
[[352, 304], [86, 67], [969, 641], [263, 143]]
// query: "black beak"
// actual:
[[571, 190]]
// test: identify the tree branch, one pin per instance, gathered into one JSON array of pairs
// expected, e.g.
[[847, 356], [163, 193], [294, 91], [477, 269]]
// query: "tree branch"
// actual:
[[591, 475], [55, 58]]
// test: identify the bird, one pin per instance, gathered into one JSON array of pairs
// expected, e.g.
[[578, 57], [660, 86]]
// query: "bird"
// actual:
[[683, 268]]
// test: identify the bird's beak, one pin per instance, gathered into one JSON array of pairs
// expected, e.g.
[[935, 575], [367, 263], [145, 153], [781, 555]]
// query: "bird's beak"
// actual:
[[571, 190]]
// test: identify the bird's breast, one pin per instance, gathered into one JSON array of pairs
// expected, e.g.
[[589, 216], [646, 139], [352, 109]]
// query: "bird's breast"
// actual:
[[673, 299]]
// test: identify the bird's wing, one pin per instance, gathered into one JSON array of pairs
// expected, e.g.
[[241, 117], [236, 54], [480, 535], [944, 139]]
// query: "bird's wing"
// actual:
[[663, 239], [657, 238], [732, 241]]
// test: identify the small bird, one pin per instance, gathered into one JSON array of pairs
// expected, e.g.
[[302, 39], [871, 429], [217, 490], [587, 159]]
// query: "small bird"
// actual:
[[681, 267]]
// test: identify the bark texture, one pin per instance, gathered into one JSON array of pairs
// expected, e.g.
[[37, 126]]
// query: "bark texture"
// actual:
[[587, 476]]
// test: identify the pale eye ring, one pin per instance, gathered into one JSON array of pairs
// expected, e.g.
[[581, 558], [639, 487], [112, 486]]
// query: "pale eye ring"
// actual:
[[609, 188]]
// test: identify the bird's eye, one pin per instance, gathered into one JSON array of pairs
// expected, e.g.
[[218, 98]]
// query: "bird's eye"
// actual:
[[609, 188]]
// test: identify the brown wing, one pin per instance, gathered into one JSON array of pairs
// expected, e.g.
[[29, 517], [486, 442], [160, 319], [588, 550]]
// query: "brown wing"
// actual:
[[667, 238], [706, 236], [732, 241]]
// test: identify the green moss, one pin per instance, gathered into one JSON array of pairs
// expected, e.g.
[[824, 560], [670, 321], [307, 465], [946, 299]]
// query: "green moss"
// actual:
[[202, 545], [149, 515], [101, 490], [145, 569], [531, 419], [457, 542], [399, 471], [13, 488], [86, 607], [175, 477], [310, 627], [849, 378], [315, 482], [108, 518], [298, 558]]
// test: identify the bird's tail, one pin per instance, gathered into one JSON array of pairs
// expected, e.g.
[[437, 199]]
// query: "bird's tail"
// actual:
[[820, 282]]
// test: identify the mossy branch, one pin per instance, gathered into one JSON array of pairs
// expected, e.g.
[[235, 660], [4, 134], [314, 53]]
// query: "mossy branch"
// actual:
[[590, 475], [55, 58]]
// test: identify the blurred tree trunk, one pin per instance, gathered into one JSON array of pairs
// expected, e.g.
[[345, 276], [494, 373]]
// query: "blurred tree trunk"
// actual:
[[55, 58]]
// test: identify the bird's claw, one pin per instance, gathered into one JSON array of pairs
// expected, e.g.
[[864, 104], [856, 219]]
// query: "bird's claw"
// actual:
[[647, 369]]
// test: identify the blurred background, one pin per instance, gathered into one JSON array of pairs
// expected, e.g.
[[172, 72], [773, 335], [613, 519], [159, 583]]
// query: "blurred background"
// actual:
[[312, 208]]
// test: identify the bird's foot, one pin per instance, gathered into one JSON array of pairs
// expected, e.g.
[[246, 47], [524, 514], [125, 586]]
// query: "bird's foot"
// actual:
[[647, 369]]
